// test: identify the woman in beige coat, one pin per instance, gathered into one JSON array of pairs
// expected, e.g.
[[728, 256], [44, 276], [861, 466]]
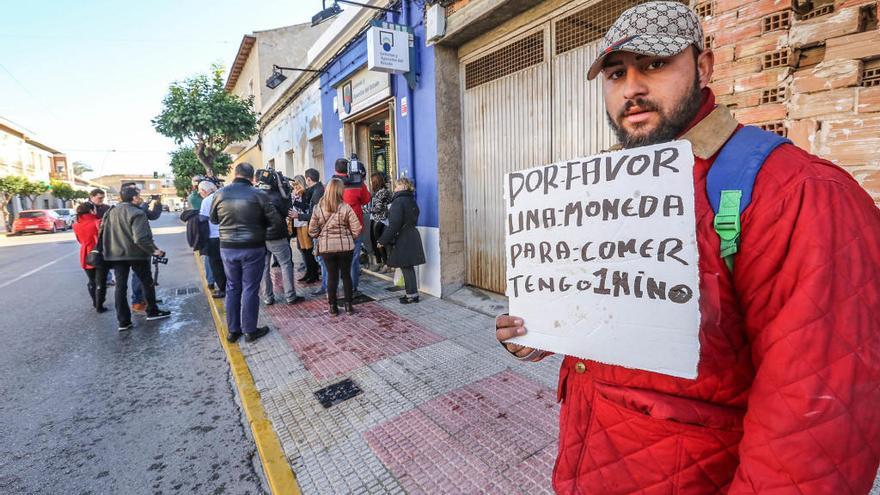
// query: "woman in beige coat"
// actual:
[[334, 226]]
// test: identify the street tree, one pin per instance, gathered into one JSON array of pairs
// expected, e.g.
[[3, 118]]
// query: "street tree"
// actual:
[[10, 187], [185, 165], [63, 191], [34, 189], [199, 110]]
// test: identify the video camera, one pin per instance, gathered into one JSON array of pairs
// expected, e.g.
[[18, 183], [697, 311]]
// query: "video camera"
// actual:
[[268, 179], [157, 260], [356, 170]]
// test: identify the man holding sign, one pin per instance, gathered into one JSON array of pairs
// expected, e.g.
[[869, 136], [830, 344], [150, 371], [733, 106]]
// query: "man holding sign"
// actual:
[[689, 369]]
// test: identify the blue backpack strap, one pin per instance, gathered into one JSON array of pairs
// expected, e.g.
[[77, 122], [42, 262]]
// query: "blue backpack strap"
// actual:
[[731, 179]]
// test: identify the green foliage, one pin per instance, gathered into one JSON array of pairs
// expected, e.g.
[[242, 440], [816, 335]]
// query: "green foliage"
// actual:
[[185, 165], [78, 194], [16, 185], [11, 186], [201, 111], [63, 191]]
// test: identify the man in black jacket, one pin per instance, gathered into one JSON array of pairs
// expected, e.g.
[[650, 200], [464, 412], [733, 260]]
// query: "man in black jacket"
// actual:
[[127, 244], [313, 194], [278, 242], [243, 213]]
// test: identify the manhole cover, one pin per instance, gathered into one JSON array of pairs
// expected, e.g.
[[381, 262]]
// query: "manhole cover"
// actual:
[[338, 392], [394, 288], [362, 298], [188, 290]]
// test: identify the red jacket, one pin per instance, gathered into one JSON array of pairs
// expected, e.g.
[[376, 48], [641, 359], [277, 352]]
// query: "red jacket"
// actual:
[[355, 196], [787, 398], [86, 231]]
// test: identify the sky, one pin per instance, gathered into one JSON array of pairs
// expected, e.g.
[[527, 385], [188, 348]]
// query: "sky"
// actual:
[[87, 76]]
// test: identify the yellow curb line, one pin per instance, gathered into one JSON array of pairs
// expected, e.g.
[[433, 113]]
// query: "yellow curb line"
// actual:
[[278, 473]]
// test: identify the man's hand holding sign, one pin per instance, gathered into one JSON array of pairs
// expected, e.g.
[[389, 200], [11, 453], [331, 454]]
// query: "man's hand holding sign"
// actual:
[[602, 258]]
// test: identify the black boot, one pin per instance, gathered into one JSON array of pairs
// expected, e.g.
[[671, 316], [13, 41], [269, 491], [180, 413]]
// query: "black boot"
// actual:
[[347, 306], [334, 309]]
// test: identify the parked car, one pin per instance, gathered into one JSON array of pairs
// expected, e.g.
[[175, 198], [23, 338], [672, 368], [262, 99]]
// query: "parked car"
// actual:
[[36, 221], [67, 215]]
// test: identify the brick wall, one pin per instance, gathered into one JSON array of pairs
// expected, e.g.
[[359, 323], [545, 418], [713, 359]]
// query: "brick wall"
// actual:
[[811, 75]]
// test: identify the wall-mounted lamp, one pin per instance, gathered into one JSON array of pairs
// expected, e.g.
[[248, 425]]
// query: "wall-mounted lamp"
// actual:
[[278, 77], [335, 9]]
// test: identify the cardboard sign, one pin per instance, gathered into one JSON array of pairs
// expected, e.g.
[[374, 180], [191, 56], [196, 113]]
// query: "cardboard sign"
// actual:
[[602, 258]]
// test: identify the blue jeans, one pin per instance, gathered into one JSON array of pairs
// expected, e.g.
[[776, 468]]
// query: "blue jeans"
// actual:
[[137, 290], [209, 275], [244, 272], [356, 264], [355, 267]]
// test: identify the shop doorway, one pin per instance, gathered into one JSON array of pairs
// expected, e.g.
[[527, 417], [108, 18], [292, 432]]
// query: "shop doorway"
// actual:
[[374, 143]]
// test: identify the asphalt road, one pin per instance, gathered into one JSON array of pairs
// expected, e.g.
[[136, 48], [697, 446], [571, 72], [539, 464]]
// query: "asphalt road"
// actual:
[[85, 409]]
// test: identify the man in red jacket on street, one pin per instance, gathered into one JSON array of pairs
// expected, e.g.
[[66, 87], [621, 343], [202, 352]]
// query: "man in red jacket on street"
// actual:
[[787, 397]]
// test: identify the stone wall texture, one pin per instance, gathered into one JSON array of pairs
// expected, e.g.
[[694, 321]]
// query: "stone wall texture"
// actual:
[[812, 75]]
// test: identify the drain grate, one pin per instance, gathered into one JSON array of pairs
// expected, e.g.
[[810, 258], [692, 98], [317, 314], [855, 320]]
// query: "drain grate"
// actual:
[[394, 288], [188, 290], [338, 392], [362, 298]]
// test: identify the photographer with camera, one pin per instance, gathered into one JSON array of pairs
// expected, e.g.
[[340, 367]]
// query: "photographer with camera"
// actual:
[[356, 195], [153, 210], [128, 246], [277, 187]]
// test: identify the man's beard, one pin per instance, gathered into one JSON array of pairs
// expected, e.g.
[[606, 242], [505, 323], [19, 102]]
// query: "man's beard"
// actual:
[[670, 126]]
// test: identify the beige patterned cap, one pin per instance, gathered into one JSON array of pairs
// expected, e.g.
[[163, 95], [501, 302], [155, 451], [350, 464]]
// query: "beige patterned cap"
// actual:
[[659, 29]]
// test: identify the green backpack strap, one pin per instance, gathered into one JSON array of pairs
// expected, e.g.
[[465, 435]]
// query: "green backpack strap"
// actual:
[[727, 225]]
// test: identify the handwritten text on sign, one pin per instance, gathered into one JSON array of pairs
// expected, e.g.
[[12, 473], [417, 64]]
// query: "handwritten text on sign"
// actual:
[[602, 258]]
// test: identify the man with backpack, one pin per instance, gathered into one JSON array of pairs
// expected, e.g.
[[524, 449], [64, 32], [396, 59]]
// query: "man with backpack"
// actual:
[[787, 397]]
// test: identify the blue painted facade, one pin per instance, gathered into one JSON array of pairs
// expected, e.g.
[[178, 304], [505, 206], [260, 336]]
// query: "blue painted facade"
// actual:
[[415, 134]]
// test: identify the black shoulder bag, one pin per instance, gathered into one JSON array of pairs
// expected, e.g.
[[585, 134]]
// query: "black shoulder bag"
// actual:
[[95, 257]]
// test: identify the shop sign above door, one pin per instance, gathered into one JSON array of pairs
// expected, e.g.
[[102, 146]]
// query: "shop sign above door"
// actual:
[[364, 89], [388, 48]]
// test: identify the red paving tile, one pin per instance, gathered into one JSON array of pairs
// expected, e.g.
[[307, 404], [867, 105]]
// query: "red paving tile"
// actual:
[[497, 435], [331, 347]]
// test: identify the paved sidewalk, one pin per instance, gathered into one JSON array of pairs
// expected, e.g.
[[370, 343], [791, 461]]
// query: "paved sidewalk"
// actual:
[[441, 408]]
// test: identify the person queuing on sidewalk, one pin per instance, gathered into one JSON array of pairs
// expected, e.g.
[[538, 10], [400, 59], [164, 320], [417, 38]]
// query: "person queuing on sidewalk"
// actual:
[[379, 218], [211, 251], [86, 231], [278, 240], [335, 226], [243, 213], [195, 199], [302, 210], [357, 196], [787, 393], [128, 246], [153, 210], [315, 191], [403, 239]]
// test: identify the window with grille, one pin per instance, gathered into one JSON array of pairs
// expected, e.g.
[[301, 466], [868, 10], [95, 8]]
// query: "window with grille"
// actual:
[[817, 12], [779, 58], [773, 95], [777, 126], [709, 42], [512, 58], [590, 24], [871, 73], [777, 21], [704, 10]]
